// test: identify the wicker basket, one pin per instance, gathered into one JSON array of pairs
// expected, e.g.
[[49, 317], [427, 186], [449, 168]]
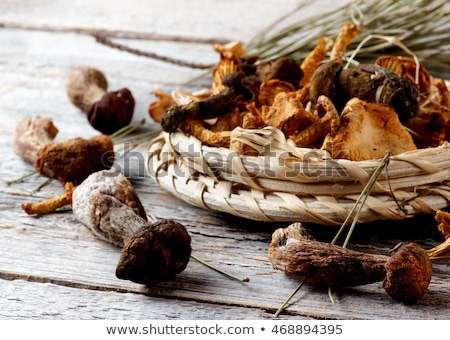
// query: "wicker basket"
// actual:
[[286, 183]]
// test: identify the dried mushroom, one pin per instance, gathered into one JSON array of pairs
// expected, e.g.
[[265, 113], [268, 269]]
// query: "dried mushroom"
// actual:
[[367, 131], [252, 93], [32, 133], [107, 204], [75, 159], [155, 253], [405, 274], [106, 111]]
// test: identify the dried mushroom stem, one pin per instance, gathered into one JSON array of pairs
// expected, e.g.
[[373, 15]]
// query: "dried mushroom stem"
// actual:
[[52, 204], [293, 251], [211, 107], [405, 274]]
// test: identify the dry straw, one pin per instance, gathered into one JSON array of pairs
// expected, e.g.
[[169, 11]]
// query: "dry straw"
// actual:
[[422, 25]]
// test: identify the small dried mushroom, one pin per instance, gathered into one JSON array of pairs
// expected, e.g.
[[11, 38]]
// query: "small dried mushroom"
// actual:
[[32, 133], [106, 111], [75, 159], [406, 274], [107, 204]]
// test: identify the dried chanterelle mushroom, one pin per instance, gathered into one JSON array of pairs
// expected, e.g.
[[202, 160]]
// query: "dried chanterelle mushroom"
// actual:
[[107, 204], [406, 274], [107, 112]]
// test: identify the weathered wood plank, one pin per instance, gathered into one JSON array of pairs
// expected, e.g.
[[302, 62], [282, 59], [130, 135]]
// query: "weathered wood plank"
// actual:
[[41, 301]]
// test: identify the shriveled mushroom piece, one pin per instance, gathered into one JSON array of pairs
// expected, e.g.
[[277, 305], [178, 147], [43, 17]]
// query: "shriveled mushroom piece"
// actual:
[[75, 159], [155, 252], [31, 134], [287, 114], [367, 131], [107, 204], [329, 121], [107, 111]]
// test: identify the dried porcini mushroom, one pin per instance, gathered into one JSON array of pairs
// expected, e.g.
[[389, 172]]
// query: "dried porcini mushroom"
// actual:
[[406, 273], [154, 253], [323, 82], [32, 133], [367, 82], [112, 112], [75, 159], [107, 112], [376, 84], [284, 69], [107, 204]]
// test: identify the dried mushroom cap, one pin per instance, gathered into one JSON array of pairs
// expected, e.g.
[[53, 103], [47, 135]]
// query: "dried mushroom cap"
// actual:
[[408, 273], [376, 84], [75, 159], [85, 85], [31, 134], [107, 204], [155, 253], [112, 112]]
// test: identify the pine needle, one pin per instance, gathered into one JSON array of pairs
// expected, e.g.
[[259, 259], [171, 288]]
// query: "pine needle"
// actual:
[[422, 25]]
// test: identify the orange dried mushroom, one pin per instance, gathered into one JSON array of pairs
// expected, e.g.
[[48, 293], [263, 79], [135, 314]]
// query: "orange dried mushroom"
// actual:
[[199, 129], [287, 114], [229, 63], [156, 109], [317, 131], [313, 60], [406, 67], [348, 33], [367, 131], [271, 88]]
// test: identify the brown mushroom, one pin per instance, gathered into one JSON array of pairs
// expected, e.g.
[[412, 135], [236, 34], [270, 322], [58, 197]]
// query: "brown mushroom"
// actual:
[[107, 204], [106, 111], [32, 133], [406, 274]]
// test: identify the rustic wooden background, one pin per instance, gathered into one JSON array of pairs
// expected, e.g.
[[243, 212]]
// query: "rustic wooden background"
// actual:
[[52, 267]]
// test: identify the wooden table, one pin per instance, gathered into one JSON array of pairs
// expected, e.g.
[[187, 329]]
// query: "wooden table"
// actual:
[[52, 267]]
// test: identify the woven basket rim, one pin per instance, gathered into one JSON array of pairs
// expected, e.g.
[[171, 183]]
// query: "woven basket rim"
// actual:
[[318, 189]]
